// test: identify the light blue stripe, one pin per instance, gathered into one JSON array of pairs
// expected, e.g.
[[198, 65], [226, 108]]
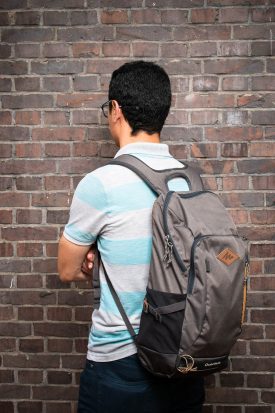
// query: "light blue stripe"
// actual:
[[129, 197], [178, 184], [132, 301], [126, 252], [91, 191], [79, 235], [99, 338]]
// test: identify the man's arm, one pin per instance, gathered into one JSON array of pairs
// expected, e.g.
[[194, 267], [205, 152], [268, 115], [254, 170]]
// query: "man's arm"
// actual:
[[72, 261]]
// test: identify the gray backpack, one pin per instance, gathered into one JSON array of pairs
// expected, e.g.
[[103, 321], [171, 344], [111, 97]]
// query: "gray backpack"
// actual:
[[195, 300]]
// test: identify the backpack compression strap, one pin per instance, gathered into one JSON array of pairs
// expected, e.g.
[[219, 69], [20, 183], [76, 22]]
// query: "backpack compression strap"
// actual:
[[157, 179]]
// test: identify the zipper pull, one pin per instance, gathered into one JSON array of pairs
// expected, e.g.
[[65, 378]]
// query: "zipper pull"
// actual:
[[168, 250]]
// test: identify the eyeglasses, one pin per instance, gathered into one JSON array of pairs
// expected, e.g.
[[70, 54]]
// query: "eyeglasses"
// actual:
[[106, 106]]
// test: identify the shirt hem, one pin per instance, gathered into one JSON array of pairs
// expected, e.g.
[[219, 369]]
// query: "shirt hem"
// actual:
[[110, 357]]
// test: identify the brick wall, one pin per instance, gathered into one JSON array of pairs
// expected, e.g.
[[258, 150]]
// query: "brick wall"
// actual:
[[57, 57]]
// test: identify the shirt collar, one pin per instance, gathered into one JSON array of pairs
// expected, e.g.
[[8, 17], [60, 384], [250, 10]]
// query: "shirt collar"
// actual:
[[156, 149]]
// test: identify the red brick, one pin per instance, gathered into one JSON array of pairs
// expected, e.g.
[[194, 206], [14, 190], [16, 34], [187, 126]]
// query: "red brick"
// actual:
[[31, 345], [203, 150], [85, 149], [263, 149], [203, 49], [56, 84], [57, 67], [57, 182], [244, 199], [234, 49], [206, 117], [28, 183], [206, 100], [79, 166], [28, 117], [251, 166], [77, 100], [58, 4], [29, 34], [225, 66], [51, 199], [85, 83], [205, 83], [60, 345], [5, 85], [261, 48], [263, 316], [234, 83], [59, 314], [27, 101], [204, 15], [177, 117], [29, 249], [263, 118], [174, 17], [5, 51], [59, 377], [5, 217], [114, 17], [23, 233], [143, 49], [251, 32], [14, 199], [57, 118], [189, 33], [263, 15], [262, 217], [172, 50], [233, 134], [8, 67], [56, 50], [27, 50], [239, 216], [232, 150], [85, 117], [52, 134], [5, 183], [82, 314], [85, 49], [29, 18], [28, 150], [6, 150], [263, 182], [263, 83], [6, 249], [235, 182], [154, 33], [52, 249], [93, 34], [30, 313], [14, 133], [30, 281], [234, 15], [30, 377], [6, 313], [5, 118], [81, 18], [116, 49], [57, 150], [262, 284], [56, 18], [146, 16]]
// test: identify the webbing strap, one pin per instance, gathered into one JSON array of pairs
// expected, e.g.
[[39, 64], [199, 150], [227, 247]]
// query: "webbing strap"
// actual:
[[119, 305]]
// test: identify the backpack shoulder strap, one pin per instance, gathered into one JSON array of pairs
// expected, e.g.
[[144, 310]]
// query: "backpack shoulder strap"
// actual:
[[157, 180]]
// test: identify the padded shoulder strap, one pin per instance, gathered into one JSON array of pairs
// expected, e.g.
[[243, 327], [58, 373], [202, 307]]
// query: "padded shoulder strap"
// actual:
[[157, 179]]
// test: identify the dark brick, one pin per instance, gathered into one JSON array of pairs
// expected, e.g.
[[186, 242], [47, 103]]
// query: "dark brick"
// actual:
[[13, 4], [27, 101], [56, 84], [13, 391], [143, 49], [27, 50], [156, 33], [31, 345], [85, 83], [29, 18], [56, 50], [83, 34], [81, 18], [27, 35], [58, 67], [225, 66], [59, 377], [56, 18], [5, 85], [5, 51]]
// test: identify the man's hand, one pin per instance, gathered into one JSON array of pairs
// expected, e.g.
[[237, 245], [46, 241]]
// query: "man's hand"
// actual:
[[88, 263], [73, 260]]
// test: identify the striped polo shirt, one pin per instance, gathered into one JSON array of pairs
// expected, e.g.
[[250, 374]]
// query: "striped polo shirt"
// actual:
[[113, 206]]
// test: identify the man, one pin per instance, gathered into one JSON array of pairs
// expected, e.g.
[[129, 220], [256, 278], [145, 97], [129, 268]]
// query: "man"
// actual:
[[112, 206]]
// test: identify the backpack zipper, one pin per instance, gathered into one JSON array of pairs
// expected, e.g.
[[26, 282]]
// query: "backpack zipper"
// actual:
[[168, 241], [191, 276]]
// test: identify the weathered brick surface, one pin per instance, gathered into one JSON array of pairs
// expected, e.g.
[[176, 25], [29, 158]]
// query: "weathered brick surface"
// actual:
[[56, 61]]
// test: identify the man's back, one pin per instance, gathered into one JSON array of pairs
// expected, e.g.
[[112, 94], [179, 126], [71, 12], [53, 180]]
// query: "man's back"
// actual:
[[118, 207]]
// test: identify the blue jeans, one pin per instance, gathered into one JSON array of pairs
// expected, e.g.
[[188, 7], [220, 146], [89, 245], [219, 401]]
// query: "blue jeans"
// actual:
[[124, 386]]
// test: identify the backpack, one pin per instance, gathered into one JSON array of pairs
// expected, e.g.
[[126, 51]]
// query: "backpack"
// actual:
[[195, 300]]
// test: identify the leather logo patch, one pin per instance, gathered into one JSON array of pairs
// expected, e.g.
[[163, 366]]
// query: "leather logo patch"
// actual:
[[227, 256]]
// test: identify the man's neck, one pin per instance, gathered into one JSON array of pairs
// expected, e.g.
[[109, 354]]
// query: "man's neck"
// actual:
[[140, 137]]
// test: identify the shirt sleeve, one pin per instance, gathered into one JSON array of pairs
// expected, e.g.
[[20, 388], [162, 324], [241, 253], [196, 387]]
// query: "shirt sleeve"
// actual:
[[88, 212]]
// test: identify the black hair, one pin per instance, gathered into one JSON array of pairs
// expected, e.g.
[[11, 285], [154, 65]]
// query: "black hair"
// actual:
[[143, 91]]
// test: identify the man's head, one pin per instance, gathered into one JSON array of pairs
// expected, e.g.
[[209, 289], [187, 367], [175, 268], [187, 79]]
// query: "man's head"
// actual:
[[142, 91]]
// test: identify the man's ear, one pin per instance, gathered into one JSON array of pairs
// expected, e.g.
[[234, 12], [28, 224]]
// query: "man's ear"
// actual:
[[116, 111]]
